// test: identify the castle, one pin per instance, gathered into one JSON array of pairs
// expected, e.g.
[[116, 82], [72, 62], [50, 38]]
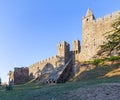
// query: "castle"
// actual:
[[61, 67]]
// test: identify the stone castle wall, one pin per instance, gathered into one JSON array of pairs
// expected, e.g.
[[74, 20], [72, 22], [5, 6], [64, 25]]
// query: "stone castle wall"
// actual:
[[93, 33], [41, 64], [61, 58]]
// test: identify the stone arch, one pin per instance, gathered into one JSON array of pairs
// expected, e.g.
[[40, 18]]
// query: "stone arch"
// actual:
[[48, 68]]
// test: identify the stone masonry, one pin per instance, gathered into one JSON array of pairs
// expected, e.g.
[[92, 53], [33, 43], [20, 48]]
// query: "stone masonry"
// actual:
[[93, 33], [60, 66]]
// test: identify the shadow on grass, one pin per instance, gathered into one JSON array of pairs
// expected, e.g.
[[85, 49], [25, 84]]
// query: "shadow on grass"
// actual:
[[101, 72]]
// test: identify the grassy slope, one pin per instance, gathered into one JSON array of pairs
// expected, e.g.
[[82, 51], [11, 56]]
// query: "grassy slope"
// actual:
[[49, 92], [102, 72], [87, 79]]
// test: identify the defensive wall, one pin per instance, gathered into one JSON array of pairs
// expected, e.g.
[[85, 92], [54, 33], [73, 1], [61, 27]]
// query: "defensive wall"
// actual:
[[93, 35]]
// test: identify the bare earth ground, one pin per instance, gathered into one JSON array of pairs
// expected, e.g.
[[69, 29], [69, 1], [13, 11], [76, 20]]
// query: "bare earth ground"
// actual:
[[106, 91]]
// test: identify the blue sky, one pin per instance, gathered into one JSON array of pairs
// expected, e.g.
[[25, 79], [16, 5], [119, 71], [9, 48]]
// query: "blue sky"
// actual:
[[31, 29]]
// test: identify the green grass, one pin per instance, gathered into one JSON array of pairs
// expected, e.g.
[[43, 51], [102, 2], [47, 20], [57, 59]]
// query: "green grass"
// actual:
[[113, 58], [100, 72], [48, 92], [101, 61], [90, 78]]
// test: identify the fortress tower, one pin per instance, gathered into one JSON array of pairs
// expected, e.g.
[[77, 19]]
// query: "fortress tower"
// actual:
[[63, 52], [21, 75], [93, 33], [76, 46]]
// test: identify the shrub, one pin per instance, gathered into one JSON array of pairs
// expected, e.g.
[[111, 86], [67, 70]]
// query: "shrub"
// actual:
[[113, 58], [98, 61]]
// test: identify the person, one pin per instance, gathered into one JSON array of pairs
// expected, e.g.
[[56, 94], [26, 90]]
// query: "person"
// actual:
[[0, 82], [10, 85]]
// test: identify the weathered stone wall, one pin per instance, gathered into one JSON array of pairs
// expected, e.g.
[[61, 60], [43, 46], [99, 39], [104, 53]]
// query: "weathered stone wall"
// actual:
[[21, 75], [76, 49], [63, 53], [93, 31], [11, 75], [33, 69], [76, 46]]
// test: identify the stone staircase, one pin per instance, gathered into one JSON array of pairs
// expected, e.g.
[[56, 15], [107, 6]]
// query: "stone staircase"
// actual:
[[61, 74]]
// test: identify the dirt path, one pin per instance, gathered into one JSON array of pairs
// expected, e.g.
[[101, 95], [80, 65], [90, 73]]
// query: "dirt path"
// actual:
[[110, 91]]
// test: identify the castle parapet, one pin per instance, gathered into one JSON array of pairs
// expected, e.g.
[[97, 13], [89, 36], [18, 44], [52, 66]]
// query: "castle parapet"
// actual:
[[117, 13], [112, 16], [107, 17], [99, 19]]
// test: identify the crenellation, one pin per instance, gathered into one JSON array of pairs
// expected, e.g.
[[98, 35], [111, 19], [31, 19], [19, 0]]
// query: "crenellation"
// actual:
[[76, 46], [59, 45], [115, 14], [107, 17], [98, 20]]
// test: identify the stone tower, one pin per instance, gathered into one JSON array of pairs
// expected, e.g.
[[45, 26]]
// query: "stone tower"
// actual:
[[93, 31], [21, 75], [89, 15], [76, 46], [63, 52]]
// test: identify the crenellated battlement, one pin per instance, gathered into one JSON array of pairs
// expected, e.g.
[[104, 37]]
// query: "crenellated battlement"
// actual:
[[40, 64], [46, 60], [62, 44], [112, 16], [76, 46], [99, 19], [117, 13]]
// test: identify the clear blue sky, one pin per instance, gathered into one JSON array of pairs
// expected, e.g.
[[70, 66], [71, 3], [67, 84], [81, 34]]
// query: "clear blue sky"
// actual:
[[31, 29]]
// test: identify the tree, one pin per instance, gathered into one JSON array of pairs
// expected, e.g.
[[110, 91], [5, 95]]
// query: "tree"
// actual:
[[112, 39]]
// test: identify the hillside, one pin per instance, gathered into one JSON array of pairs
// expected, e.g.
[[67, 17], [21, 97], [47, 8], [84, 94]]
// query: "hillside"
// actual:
[[101, 82], [98, 69]]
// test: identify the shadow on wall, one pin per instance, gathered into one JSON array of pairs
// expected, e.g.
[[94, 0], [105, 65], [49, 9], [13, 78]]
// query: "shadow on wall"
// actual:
[[45, 72], [60, 62], [59, 73], [48, 68]]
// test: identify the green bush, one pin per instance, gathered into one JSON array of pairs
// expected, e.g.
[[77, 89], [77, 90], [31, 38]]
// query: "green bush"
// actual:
[[88, 62], [101, 61], [98, 61], [113, 58]]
